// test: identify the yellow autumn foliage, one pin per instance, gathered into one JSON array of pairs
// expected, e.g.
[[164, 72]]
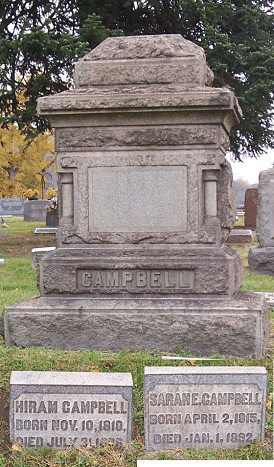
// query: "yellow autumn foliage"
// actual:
[[22, 159]]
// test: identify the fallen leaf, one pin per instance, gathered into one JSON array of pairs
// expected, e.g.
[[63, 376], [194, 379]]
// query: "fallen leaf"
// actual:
[[16, 447], [269, 401], [93, 369], [192, 362]]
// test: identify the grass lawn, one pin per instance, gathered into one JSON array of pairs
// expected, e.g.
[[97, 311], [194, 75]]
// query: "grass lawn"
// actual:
[[18, 282]]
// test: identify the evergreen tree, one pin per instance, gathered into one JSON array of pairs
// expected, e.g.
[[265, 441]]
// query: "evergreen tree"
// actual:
[[238, 37], [40, 41]]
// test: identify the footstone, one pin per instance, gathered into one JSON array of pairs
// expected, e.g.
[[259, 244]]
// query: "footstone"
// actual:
[[240, 236], [2, 261], [238, 327], [62, 410], [46, 230], [204, 407]]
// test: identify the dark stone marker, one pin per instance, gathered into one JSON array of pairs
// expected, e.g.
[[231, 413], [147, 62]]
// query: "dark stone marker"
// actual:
[[251, 207]]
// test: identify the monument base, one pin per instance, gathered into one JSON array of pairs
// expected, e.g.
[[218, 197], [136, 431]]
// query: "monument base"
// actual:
[[238, 327], [261, 260]]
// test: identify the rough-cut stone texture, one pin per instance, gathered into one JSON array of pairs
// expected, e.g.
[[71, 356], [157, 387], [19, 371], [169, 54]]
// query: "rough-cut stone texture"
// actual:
[[206, 407], [130, 271], [37, 254], [261, 260], [66, 409], [146, 204], [203, 327]]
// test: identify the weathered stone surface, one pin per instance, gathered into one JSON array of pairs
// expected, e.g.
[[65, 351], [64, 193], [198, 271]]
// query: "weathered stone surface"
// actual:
[[203, 327], [144, 60], [163, 136], [37, 254], [46, 230], [146, 204], [204, 407], [62, 410], [261, 260], [251, 207], [130, 271], [35, 210], [265, 218]]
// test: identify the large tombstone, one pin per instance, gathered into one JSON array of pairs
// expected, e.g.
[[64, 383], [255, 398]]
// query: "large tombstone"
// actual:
[[261, 259], [146, 205]]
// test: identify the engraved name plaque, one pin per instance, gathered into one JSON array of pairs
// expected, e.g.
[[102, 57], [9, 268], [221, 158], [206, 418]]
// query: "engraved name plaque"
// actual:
[[204, 407], [135, 280], [60, 410]]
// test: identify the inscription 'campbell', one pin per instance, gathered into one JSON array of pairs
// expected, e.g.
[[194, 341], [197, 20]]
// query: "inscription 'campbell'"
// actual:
[[116, 280]]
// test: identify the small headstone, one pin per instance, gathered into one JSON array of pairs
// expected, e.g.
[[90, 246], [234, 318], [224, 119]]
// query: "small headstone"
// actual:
[[12, 206], [2, 261], [251, 207], [204, 407], [52, 218], [62, 409], [240, 236], [36, 210]]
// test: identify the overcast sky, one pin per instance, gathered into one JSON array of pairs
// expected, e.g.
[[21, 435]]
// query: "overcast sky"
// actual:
[[250, 168]]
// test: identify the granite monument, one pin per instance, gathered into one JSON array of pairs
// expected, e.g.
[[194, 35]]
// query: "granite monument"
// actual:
[[146, 206]]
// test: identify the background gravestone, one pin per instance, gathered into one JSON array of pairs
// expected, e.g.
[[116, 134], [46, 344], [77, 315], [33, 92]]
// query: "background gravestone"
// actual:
[[251, 207], [146, 206], [261, 259], [36, 210], [12, 206]]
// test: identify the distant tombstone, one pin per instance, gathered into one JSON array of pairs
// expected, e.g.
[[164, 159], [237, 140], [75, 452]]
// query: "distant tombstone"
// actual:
[[261, 259], [36, 210], [12, 206], [67, 409], [52, 219], [251, 207], [204, 407]]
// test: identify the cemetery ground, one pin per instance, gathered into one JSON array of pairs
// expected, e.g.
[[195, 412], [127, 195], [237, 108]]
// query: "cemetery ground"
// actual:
[[18, 282]]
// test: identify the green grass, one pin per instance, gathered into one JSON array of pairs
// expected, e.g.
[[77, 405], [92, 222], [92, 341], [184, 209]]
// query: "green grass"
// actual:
[[18, 281], [18, 274], [19, 226], [240, 222]]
